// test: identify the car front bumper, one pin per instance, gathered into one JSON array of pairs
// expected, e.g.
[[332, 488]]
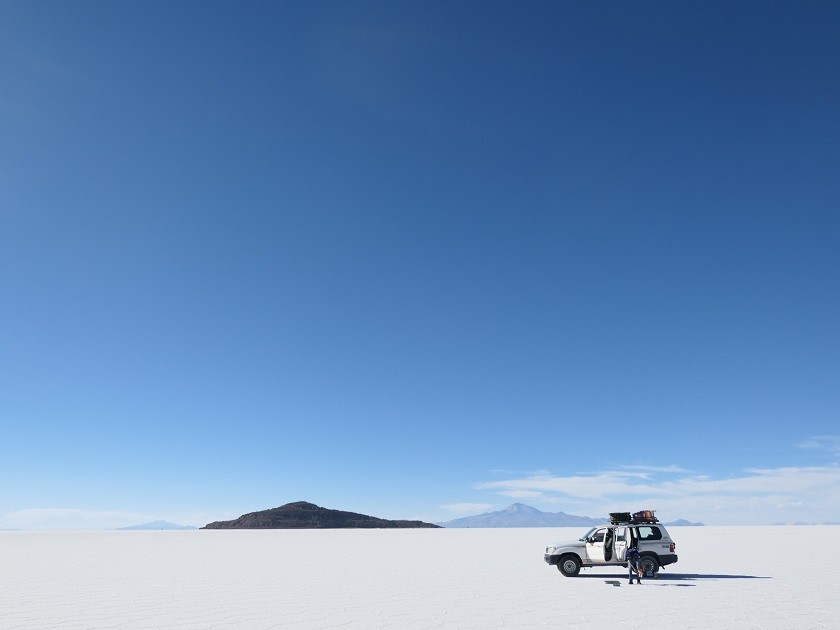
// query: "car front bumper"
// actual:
[[552, 559]]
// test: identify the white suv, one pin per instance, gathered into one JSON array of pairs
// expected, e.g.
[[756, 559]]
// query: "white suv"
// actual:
[[606, 545]]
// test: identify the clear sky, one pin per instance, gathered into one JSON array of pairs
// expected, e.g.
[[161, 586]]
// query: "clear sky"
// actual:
[[419, 259]]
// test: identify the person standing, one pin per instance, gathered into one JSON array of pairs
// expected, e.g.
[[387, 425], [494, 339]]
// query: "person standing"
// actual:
[[634, 565]]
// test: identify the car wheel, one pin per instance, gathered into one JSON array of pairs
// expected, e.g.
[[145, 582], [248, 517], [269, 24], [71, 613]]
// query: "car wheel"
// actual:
[[649, 564], [569, 565]]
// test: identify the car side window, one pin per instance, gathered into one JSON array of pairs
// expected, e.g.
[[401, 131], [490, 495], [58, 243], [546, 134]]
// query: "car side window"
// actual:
[[649, 533], [598, 536]]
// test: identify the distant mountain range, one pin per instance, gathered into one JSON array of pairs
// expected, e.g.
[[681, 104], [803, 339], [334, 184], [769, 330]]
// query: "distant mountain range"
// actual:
[[521, 515], [303, 515], [681, 522], [157, 525]]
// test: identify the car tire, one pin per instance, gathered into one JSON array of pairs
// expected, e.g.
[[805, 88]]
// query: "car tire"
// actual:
[[649, 563], [569, 565]]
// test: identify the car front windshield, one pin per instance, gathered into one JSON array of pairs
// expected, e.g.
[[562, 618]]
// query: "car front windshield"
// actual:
[[586, 536]]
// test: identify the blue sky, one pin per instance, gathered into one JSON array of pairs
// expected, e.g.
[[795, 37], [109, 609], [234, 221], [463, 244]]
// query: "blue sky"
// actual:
[[418, 259]]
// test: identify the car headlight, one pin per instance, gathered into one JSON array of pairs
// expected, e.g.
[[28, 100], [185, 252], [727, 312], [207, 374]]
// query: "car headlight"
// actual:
[[550, 550]]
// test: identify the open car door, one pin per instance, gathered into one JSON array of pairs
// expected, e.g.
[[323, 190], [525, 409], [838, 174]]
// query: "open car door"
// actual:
[[595, 546], [622, 540]]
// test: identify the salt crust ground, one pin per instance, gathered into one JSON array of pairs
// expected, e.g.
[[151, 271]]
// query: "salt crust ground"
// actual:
[[733, 578]]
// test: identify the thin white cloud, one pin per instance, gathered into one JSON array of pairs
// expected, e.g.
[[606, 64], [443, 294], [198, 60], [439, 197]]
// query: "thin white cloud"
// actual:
[[522, 494], [658, 469], [72, 518], [467, 508], [830, 443], [582, 486], [762, 495]]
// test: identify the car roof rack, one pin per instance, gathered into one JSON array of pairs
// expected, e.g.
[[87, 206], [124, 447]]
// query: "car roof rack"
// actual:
[[636, 518]]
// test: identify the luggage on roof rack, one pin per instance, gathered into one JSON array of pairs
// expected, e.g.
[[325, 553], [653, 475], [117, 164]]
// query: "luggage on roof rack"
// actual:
[[644, 516]]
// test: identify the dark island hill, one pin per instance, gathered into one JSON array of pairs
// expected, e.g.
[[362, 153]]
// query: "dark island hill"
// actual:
[[303, 515]]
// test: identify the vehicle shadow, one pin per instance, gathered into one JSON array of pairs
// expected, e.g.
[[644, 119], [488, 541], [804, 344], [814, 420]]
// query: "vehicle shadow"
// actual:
[[677, 577], [711, 576]]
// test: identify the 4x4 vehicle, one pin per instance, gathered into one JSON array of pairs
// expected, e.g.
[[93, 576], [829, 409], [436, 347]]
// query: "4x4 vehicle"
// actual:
[[606, 545]]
